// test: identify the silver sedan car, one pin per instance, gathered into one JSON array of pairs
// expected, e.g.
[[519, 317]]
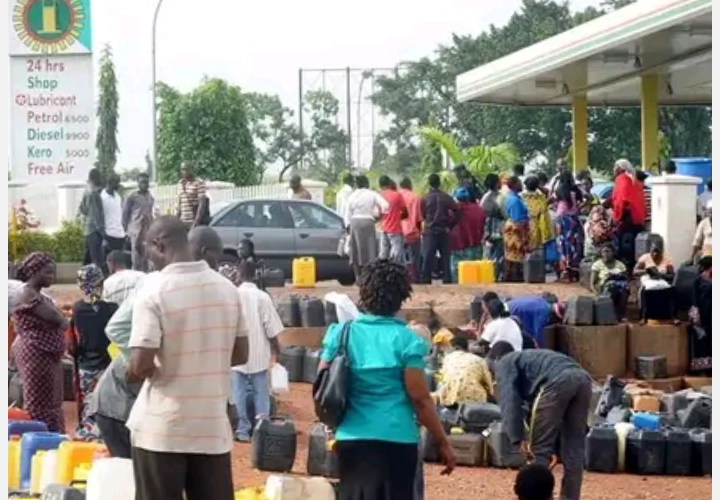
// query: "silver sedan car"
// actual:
[[283, 230]]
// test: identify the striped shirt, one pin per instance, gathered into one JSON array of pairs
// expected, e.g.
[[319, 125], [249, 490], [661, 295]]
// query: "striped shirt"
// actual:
[[192, 315], [263, 323], [189, 199], [118, 286]]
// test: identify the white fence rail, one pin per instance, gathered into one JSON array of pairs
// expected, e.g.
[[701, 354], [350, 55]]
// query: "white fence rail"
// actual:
[[53, 204]]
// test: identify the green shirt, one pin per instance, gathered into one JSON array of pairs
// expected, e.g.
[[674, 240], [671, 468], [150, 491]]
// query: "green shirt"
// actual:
[[604, 271], [380, 349]]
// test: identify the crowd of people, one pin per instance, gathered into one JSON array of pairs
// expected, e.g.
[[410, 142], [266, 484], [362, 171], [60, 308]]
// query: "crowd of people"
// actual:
[[193, 341]]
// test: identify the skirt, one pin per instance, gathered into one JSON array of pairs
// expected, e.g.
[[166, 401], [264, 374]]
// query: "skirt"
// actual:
[[517, 241], [377, 470], [363, 242], [42, 377], [570, 242]]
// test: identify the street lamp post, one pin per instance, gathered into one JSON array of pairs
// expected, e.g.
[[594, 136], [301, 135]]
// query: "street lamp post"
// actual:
[[154, 91], [365, 76]]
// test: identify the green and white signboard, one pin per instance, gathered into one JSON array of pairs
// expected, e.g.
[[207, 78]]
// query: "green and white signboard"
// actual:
[[51, 85]]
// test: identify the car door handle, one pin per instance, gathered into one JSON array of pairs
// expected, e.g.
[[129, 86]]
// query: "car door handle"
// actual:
[[248, 235], [304, 235]]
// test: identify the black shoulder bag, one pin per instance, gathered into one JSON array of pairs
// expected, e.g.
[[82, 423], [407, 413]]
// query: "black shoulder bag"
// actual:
[[330, 388]]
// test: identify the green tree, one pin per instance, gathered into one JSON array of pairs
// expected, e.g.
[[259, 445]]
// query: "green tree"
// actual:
[[423, 91], [108, 114], [326, 147], [209, 128], [275, 133]]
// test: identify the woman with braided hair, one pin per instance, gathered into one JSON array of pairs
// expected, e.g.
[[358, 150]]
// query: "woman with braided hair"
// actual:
[[377, 440], [89, 343], [40, 345]]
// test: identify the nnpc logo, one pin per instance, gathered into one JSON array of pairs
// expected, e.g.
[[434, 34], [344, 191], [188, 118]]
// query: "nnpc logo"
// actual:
[[48, 26]]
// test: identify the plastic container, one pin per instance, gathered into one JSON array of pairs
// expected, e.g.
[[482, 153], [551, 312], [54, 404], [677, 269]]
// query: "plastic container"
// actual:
[[648, 421], [288, 308], [698, 415], [579, 311], [303, 271], [611, 396], [72, 455], [321, 461], [292, 358], [622, 429], [486, 272], [586, 274], [695, 167], [62, 492], [678, 452], [468, 448], [331, 316], [31, 443], [604, 311], [113, 350], [115, 471], [476, 417], [701, 450], [49, 469], [449, 418], [601, 450], [534, 267], [298, 488], [500, 452], [645, 452], [272, 278], [20, 427], [468, 272], [14, 463], [618, 414], [36, 472], [279, 379], [644, 241], [274, 444], [311, 361], [651, 367], [312, 312]]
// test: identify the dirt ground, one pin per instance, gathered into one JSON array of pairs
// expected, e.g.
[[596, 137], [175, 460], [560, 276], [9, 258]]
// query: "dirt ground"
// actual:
[[465, 482], [423, 295]]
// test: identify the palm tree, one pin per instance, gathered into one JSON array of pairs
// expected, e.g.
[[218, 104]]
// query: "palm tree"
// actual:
[[480, 160]]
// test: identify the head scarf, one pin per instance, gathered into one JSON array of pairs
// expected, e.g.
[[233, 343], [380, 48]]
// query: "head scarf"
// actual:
[[33, 264], [462, 194], [599, 225], [230, 272], [90, 279], [623, 165]]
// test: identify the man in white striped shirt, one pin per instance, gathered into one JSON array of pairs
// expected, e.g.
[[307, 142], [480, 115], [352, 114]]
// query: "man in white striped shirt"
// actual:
[[187, 332], [264, 326]]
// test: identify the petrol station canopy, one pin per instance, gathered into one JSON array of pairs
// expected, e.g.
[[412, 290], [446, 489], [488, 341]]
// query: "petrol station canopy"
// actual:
[[605, 60]]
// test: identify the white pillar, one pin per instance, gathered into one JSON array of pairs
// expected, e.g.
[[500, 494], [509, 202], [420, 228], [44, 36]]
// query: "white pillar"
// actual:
[[674, 209], [69, 198]]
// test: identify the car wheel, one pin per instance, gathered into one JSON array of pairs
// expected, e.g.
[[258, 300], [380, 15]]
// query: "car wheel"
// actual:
[[347, 280]]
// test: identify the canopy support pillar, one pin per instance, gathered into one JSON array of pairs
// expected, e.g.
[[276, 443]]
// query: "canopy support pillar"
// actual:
[[579, 132], [649, 121]]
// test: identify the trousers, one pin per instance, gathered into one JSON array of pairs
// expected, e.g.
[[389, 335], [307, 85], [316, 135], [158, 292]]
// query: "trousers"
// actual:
[[391, 247], [94, 250], [167, 476], [561, 409], [432, 244], [136, 251], [115, 436], [257, 384]]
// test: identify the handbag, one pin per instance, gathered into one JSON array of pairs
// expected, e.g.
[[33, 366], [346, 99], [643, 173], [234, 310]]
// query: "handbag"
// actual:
[[330, 388]]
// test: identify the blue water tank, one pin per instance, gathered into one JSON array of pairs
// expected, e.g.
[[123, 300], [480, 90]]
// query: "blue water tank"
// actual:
[[696, 167]]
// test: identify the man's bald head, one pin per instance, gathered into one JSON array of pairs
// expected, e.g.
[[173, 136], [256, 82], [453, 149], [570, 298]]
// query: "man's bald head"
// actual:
[[166, 241], [205, 244]]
